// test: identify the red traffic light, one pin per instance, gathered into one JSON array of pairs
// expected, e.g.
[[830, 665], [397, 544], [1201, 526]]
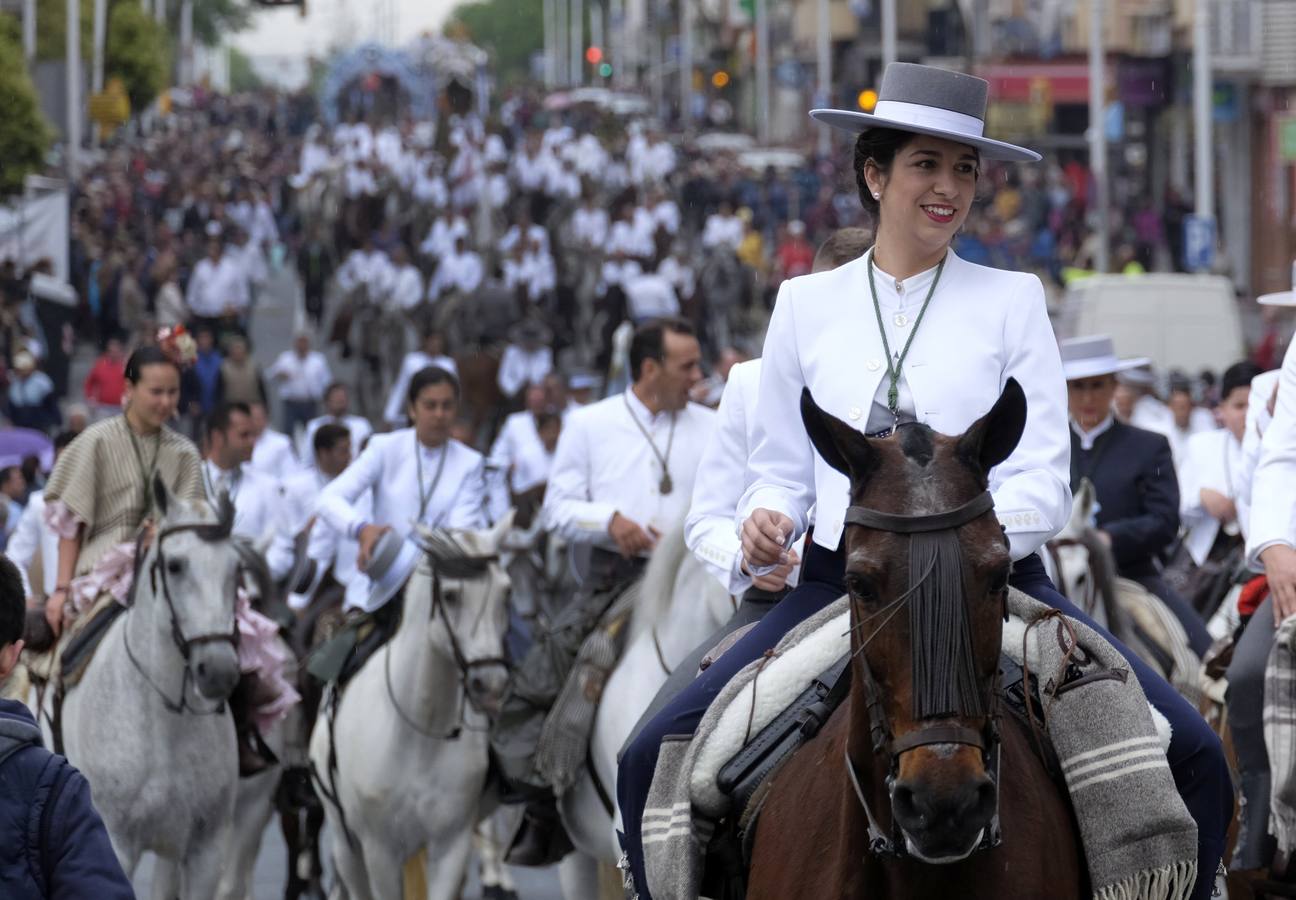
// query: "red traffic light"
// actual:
[[594, 55]]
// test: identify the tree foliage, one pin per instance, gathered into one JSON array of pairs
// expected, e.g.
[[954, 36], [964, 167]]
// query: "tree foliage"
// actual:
[[511, 30], [137, 52], [241, 74], [215, 20], [25, 136]]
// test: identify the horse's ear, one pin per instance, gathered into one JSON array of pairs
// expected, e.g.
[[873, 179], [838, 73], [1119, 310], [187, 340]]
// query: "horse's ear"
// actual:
[[992, 438], [161, 495], [1084, 500], [841, 446]]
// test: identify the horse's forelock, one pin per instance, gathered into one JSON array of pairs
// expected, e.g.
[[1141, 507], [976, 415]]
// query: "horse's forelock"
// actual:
[[450, 557]]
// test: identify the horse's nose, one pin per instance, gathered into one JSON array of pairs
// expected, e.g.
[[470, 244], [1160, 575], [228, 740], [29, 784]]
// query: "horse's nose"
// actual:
[[944, 823], [486, 686], [215, 671]]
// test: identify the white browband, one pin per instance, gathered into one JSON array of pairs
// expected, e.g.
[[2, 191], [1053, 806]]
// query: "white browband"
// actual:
[[929, 117]]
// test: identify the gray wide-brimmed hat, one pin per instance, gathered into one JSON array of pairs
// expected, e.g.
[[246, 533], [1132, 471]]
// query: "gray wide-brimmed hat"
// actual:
[[1088, 357], [928, 100], [391, 565]]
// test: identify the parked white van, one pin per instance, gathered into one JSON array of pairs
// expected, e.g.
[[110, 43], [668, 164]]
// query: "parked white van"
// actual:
[[1186, 322]]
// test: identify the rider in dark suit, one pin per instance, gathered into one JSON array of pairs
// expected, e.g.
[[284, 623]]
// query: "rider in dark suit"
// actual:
[[1133, 473]]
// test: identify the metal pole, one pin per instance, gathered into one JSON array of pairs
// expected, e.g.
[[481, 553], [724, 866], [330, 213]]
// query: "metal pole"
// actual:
[[29, 30], [100, 37], [577, 42], [548, 45], [888, 32], [160, 11], [560, 43], [1098, 130], [823, 46], [73, 88], [598, 34], [686, 63], [658, 65], [1203, 169], [616, 27], [762, 71], [186, 42]]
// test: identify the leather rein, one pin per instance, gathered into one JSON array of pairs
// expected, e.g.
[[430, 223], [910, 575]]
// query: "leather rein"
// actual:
[[892, 844], [183, 643], [463, 664]]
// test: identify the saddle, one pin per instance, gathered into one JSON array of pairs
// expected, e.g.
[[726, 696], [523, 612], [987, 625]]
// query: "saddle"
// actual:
[[348, 644]]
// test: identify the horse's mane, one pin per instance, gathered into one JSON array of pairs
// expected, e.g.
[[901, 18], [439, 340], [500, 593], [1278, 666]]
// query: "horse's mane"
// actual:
[[657, 590], [449, 557]]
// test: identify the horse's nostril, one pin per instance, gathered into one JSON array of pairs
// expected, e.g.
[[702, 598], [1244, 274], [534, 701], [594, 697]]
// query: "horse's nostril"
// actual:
[[986, 795], [477, 686], [201, 670], [902, 800]]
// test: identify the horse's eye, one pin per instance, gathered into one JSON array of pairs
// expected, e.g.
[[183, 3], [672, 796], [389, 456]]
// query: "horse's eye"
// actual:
[[451, 597], [861, 587], [174, 567]]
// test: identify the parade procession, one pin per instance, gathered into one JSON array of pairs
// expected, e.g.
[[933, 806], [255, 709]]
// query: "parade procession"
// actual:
[[659, 449]]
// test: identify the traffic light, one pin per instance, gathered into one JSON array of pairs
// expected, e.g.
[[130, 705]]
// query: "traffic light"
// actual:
[[605, 69], [867, 99], [594, 55], [720, 79]]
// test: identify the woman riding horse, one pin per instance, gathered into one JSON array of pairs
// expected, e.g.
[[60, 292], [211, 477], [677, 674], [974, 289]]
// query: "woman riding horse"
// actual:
[[100, 496], [852, 337]]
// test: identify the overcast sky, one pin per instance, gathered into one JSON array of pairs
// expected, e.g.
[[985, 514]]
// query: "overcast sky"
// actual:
[[279, 40]]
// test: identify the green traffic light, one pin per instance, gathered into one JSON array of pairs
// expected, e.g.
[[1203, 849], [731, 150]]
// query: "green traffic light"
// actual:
[[605, 70]]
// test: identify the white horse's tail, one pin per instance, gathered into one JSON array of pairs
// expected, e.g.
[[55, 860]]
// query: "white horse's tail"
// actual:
[[658, 591]]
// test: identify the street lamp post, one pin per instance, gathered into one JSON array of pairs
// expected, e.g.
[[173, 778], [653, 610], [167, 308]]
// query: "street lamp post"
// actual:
[[577, 43], [1098, 131], [73, 48], [823, 46], [686, 62], [762, 71], [1203, 169], [29, 30], [888, 32]]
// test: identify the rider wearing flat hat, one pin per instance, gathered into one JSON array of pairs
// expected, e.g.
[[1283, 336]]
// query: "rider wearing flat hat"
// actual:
[[911, 332]]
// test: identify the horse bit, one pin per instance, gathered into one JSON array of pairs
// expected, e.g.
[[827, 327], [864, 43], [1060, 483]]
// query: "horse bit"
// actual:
[[158, 572], [464, 665], [987, 740]]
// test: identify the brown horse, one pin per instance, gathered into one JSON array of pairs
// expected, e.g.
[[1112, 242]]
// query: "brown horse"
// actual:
[[904, 791]]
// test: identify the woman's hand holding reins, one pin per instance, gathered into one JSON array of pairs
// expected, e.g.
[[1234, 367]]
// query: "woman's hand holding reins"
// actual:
[[764, 538]]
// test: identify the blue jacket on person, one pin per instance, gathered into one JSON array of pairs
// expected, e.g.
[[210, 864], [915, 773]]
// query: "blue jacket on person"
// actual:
[[53, 845]]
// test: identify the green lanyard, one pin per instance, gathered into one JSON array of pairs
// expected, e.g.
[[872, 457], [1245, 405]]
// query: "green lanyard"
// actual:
[[893, 369]]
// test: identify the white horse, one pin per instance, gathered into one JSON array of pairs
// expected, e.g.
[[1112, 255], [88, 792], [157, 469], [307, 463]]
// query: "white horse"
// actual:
[[148, 725], [680, 605], [1084, 570], [402, 761]]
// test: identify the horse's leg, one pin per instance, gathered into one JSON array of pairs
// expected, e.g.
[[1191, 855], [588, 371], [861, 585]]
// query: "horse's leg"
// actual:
[[578, 875], [253, 807], [166, 880], [386, 873], [350, 865], [200, 875], [490, 852], [447, 865]]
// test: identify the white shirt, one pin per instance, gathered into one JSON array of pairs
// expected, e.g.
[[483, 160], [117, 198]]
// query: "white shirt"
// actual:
[[722, 478], [255, 497], [461, 272], [307, 376], [983, 326], [272, 454], [389, 471], [666, 215], [1257, 423], [441, 237], [357, 426], [679, 275], [359, 182], [430, 190], [372, 269], [518, 447], [624, 236], [298, 494], [215, 286], [723, 230], [394, 411], [534, 272], [30, 534], [1273, 487], [1214, 459], [650, 295], [518, 368], [590, 226], [406, 290], [1088, 438], [534, 233], [604, 464], [529, 171]]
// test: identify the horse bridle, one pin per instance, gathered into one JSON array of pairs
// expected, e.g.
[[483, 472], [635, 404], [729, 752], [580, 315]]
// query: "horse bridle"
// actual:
[[463, 664], [183, 643], [987, 740]]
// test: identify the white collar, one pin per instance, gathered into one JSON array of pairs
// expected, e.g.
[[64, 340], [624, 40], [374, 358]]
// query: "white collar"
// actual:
[[916, 283], [639, 410], [1087, 438]]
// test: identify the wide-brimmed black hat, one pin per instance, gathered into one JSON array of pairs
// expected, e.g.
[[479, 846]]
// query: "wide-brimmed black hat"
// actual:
[[928, 100]]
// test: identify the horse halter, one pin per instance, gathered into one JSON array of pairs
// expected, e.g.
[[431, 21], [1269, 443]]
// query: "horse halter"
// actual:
[[463, 664], [183, 643], [892, 844]]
